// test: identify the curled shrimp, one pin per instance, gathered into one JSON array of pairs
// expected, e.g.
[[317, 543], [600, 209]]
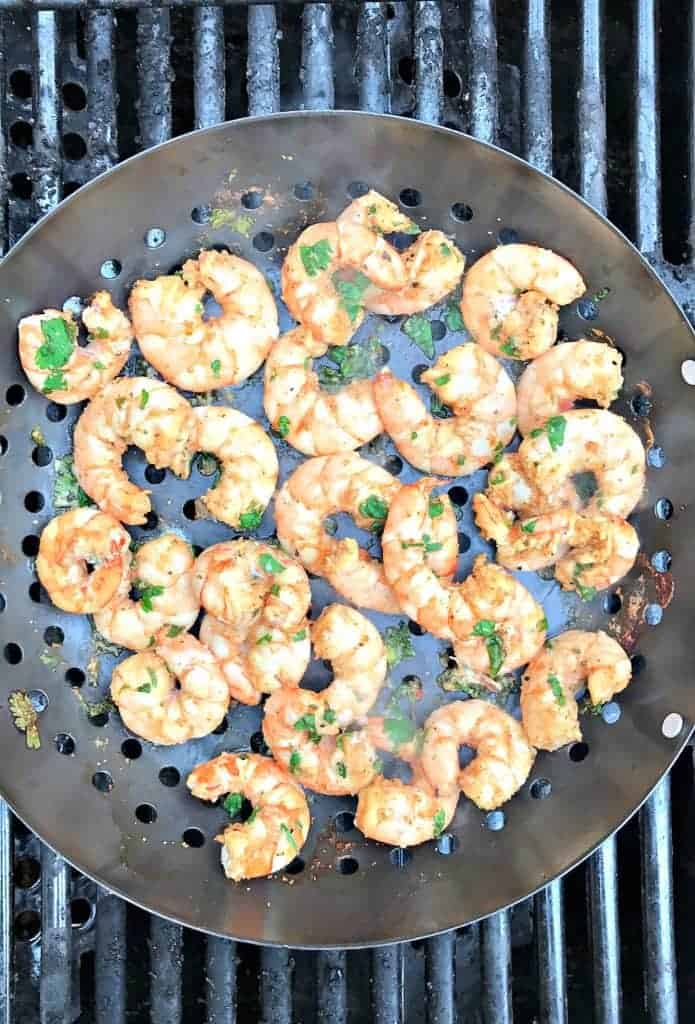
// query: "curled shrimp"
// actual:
[[312, 420], [433, 267], [551, 384], [549, 684], [539, 477], [305, 730], [279, 823], [131, 410], [63, 370], [198, 352], [162, 572], [482, 398], [144, 688], [511, 297], [503, 760], [69, 545], [492, 619], [248, 465], [403, 813]]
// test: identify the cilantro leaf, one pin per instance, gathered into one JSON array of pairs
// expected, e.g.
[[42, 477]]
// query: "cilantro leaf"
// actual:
[[438, 823], [58, 346], [301, 635], [144, 398], [351, 293], [216, 366], [485, 627], [558, 693], [542, 625], [341, 769], [264, 638], [399, 644], [374, 508], [174, 631], [453, 318], [55, 381], [435, 508], [287, 833], [307, 724], [67, 492], [232, 803], [270, 564], [295, 761], [510, 348], [529, 526], [419, 331], [316, 257], [251, 518], [555, 429], [283, 426], [399, 731], [146, 593], [353, 362]]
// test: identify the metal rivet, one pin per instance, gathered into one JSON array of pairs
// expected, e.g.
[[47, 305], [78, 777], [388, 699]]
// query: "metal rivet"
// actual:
[[672, 725], [688, 371], [610, 713], [495, 820]]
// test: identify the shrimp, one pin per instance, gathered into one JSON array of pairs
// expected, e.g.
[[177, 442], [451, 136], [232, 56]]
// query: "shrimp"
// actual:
[[348, 483], [249, 465], [504, 756], [603, 550], [312, 420], [144, 688], [69, 544], [538, 478], [162, 573], [305, 730], [578, 369], [493, 621], [58, 366], [511, 297], [482, 399], [433, 268], [403, 813], [549, 711], [139, 411], [279, 823], [309, 278], [194, 350]]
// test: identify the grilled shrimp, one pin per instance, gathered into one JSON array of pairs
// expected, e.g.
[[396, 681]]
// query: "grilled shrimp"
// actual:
[[578, 369], [483, 401], [493, 621], [568, 662], [305, 730], [538, 478], [63, 370], [139, 411], [69, 544], [433, 268], [248, 464], [278, 826], [162, 572], [503, 759], [194, 351], [403, 813], [511, 297], [312, 420], [144, 688]]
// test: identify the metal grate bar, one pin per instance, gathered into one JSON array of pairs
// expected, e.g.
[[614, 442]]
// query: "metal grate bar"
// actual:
[[691, 131], [263, 62], [208, 66], [537, 121], [56, 938], [110, 960], [221, 968], [605, 933], [646, 139], [331, 986], [429, 59], [387, 985], [277, 969], [483, 70], [373, 59], [657, 907], [550, 938], [5, 908], [46, 117], [440, 978], [316, 72], [101, 90], [592, 107], [165, 970], [4, 240], [154, 69], [496, 950]]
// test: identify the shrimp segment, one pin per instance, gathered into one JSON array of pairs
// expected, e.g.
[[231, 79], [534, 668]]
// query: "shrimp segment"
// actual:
[[493, 621], [433, 266], [144, 689], [71, 542], [312, 420], [63, 370], [482, 398], [279, 825], [549, 710], [511, 297], [199, 353], [131, 410], [503, 759], [403, 813], [578, 369], [162, 571], [249, 464]]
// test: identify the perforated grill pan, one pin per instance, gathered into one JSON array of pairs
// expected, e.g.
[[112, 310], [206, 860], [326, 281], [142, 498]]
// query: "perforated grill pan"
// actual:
[[479, 867]]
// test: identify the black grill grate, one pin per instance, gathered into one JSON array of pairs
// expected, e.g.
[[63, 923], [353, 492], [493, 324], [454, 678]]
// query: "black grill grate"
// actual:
[[145, 72]]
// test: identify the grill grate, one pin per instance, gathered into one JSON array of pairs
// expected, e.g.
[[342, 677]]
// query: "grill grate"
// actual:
[[456, 63]]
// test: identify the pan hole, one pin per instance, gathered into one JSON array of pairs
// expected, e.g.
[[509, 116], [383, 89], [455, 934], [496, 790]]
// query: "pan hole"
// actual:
[[21, 185], [438, 329], [612, 603], [99, 720], [73, 96], [154, 475], [132, 749], [541, 789], [639, 663], [20, 84], [495, 821], [587, 309], [452, 83], [193, 837], [347, 865], [69, 187], [394, 464], [446, 844], [110, 269], [507, 236], [252, 200], [458, 495], [13, 654], [661, 561], [151, 521], [400, 856], [258, 744], [303, 190], [34, 501], [42, 455], [27, 925], [656, 456], [221, 728], [406, 70], [295, 867], [464, 543], [169, 776], [30, 545], [344, 821], [3, 445], [22, 135], [15, 394], [462, 212], [410, 197], [65, 744], [653, 614], [39, 700], [189, 509], [201, 214], [610, 713], [146, 813], [3, 603], [102, 781], [663, 509], [74, 146], [417, 372], [27, 872], [37, 593], [687, 368], [578, 752], [356, 189], [263, 241], [415, 628], [672, 725], [75, 676], [53, 636], [82, 912], [641, 404]]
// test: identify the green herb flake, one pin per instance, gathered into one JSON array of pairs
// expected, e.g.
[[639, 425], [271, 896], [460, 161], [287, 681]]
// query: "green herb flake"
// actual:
[[376, 509], [233, 803], [146, 594], [497, 453], [445, 249], [328, 715], [499, 478], [307, 724], [275, 590], [438, 823], [460, 460], [536, 432], [484, 627], [173, 631], [586, 593], [98, 365], [341, 769], [283, 426], [529, 526], [144, 398], [265, 638], [558, 693], [429, 544], [413, 435], [495, 332], [24, 716], [301, 635], [399, 644], [435, 508], [351, 293], [316, 257], [216, 366], [542, 625], [270, 564], [453, 318], [441, 381], [253, 815], [438, 408], [67, 492], [352, 362], [287, 833], [100, 332], [399, 730], [601, 294], [510, 348], [555, 429], [419, 330], [295, 761], [55, 381], [495, 649], [378, 765], [251, 518], [58, 346]]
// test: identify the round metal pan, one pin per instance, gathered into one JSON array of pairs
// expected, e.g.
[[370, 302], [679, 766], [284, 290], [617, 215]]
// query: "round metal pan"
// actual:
[[88, 803]]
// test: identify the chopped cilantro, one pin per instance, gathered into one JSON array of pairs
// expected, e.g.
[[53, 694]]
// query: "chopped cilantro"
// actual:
[[351, 293], [460, 460], [216, 366], [495, 649], [328, 715], [316, 257], [484, 627], [301, 635], [232, 804], [152, 685], [602, 294], [146, 594], [144, 398], [438, 823], [100, 332], [283, 426], [399, 644], [453, 318], [67, 492], [275, 589], [413, 435], [58, 346], [270, 564], [264, 638], [55, 381], [341, 769], [438, 409], [307, 723], [536, 432], [287, 833], [555, 429], [542, 624], [529, 526], [174, 631], [399, 731], [98, 365], [558, 693], [251, 519], [497, 452], [419, 331], [510, 347], [444, 379], [435, 508], [352, 362], [445, 249], [295, 761], [374, 508], [499, 478], [586, 593]]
